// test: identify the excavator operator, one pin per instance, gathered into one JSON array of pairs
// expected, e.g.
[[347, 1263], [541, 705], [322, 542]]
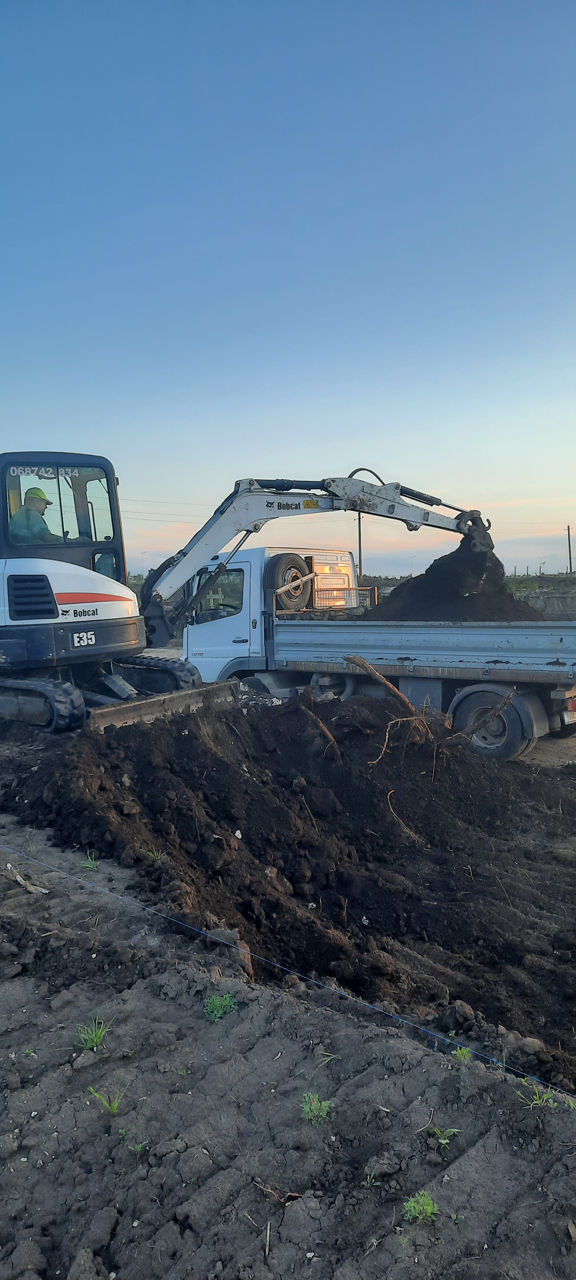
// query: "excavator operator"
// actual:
[[28, 524]]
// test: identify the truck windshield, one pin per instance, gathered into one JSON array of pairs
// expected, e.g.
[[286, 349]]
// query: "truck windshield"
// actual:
[[57, 504]]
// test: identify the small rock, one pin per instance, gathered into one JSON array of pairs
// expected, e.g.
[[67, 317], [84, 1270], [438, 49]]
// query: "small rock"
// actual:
[[291, 982], [236, 948], [463, 1012], [511, 1041], [63, 998], [101, 1228], [323, 802], [533, 1047], [86, 1267], [383, 1165], [27, 1256], [9, 1144], [85, 1059], [130, 807]]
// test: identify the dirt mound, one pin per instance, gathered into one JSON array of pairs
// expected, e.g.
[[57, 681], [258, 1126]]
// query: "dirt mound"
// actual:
[[464, 586], [342, 842]]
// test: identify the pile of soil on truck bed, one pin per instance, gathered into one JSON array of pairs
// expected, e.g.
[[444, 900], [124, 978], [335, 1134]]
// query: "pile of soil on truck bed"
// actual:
[[338, 842], [464, 586]]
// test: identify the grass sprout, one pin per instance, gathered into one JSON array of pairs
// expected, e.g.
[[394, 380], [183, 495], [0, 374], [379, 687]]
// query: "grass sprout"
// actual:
[[90, 863], [92, 1035], [110, 1104], [538, 1097], [154, 854]]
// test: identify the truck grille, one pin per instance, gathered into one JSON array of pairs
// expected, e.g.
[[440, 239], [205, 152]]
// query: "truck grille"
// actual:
[[30, 596]]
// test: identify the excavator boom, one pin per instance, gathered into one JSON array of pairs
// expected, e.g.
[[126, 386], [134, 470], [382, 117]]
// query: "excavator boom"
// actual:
[[253, 503]]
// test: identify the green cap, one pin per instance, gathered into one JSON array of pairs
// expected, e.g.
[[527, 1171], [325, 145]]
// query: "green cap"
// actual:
[[38, 493]]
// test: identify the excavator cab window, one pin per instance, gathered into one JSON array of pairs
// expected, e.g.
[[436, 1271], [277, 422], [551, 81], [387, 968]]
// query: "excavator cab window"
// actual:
[[57, 504], [68, 507]]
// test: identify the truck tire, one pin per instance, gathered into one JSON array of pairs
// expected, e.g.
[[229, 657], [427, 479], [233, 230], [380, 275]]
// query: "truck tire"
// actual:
[[501, 738], [282, 571]]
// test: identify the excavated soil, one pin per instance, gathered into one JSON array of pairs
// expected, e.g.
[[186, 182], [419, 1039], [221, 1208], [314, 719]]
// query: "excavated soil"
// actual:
[[414, 875], [464, 586], [342, 843], [208, 1169]]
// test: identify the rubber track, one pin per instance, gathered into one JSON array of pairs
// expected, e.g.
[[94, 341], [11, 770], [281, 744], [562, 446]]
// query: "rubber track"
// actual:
[[64, 699]]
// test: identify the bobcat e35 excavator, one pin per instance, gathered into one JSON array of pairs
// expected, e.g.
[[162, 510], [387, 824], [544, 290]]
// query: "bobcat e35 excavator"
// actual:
[[71, 634]]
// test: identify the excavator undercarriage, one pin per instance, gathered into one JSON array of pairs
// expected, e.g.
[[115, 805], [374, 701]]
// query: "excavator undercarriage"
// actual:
[[142, 689]]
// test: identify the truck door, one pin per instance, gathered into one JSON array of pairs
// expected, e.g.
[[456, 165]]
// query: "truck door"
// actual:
[[221, 632]]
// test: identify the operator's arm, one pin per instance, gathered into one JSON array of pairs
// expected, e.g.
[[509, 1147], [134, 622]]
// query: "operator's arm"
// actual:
[[45, 535]]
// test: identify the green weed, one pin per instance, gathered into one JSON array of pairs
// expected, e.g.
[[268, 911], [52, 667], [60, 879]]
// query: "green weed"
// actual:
[[538, 1098], [371, 1181], [324, 1057], [138, 1148], [316, 1110], [216, 1007], [90, 863], [463, 1054], [444, 1136], [154, 854], [109, 1104], [92, 1035], [420, 1208]]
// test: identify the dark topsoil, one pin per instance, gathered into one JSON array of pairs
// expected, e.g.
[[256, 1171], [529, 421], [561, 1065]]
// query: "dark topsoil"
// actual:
[[464, 586], [416, 875], [346, 845], [208, 1169]]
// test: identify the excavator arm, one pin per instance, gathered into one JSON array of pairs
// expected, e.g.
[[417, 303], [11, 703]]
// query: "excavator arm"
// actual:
[[253, 503]]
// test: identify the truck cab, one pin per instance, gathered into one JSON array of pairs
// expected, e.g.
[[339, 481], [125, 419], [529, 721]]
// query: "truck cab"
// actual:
[[230, 627]]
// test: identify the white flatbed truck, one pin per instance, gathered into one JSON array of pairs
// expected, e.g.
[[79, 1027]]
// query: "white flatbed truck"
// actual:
[[249, 617], [525, 670]]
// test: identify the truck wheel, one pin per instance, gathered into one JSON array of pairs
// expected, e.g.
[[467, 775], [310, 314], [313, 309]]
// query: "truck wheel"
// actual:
[[286, 571], [501, 737]]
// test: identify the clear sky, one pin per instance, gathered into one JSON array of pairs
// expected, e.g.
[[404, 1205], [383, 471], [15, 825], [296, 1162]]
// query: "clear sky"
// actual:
[[294, 237]]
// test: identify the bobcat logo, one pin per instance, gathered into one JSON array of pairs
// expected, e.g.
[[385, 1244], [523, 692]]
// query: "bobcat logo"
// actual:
[[64, 612]]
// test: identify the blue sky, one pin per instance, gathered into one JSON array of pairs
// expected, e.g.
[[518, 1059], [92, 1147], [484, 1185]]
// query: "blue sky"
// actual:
[[253, 237]]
